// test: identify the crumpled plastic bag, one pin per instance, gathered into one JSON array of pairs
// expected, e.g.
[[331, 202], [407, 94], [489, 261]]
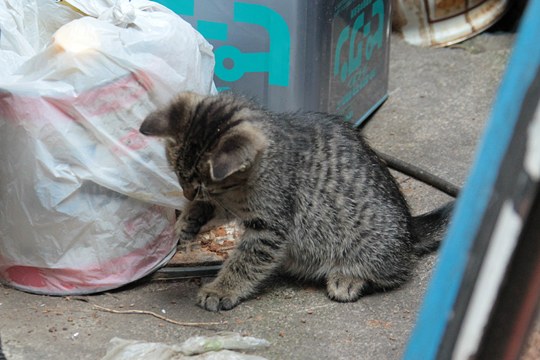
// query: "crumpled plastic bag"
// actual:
[[216, 347], [87, 202]]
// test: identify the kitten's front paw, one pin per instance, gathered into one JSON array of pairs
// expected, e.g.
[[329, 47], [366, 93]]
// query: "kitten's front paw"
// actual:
[[344, 288], [192, 219], [185, 231], [213, 298]]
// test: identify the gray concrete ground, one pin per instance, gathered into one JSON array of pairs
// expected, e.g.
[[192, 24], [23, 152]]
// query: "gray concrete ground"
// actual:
[[439, 102]]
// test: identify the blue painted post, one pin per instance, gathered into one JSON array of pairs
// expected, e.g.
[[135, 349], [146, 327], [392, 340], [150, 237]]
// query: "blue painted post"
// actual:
[[438, 309]]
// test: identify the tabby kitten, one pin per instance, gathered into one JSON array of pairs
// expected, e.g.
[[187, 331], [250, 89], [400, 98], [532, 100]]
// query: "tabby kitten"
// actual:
[[314, 199]]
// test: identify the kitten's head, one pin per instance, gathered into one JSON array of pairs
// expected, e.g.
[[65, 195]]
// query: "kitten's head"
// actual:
[[213, 142]]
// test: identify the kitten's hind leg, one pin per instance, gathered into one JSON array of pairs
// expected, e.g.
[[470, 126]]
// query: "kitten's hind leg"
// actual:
[[192, 218], [344, 288]]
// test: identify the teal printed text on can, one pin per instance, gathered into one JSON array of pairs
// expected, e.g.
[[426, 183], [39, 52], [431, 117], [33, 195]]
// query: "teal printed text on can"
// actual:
[[231, 62], [357, 84], [356, 43]]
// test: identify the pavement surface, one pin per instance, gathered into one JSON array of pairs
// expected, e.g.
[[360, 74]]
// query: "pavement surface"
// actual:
[[439, 102]]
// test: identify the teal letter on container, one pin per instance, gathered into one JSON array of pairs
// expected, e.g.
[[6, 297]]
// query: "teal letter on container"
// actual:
[[275, 62]]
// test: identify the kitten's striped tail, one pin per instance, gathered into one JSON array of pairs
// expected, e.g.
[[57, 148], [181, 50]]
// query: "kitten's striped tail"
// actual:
[[430, 228]]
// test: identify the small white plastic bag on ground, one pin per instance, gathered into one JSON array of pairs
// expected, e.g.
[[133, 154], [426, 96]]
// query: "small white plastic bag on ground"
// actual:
[[216, 347], [87, 202]]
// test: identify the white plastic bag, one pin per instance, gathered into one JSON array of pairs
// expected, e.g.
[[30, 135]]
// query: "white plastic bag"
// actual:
[[217, 347], [86, 202]]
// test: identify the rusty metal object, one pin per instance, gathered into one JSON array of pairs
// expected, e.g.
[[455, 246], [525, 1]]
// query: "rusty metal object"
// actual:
[[439, 23]]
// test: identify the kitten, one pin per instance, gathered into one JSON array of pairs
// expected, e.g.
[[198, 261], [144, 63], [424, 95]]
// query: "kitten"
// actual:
[[314, 199]]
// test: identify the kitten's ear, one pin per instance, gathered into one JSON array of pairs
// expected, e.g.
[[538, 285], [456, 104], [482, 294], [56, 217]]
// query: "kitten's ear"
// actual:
[[236, 152], [156, 124], [166, 121]]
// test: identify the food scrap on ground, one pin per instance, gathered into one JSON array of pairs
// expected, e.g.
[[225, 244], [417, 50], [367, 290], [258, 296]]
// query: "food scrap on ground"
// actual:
[[211, 246]]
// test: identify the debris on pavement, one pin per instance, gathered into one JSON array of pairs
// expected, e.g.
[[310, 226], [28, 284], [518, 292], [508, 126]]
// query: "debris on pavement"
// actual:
[[217, 347], [228, 340], [151, 313]]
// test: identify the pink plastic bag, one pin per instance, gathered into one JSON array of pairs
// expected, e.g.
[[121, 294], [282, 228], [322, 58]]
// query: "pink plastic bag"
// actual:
[[86, 202]]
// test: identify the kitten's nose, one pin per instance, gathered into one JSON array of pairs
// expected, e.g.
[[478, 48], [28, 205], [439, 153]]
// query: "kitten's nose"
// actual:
[[190, 192]]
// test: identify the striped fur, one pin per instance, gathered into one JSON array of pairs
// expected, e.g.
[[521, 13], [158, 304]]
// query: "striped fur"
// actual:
[[315, 200]]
